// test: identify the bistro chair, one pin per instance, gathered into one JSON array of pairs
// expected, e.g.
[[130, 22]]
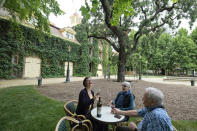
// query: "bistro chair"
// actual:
[[84, 125], [174, 128], [70, 109]]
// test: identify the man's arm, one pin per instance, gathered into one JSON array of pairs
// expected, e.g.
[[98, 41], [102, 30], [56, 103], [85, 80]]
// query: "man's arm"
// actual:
[[125, 113]]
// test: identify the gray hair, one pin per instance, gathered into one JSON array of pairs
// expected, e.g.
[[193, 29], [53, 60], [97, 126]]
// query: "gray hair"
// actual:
[[127, 84], [155, 94]]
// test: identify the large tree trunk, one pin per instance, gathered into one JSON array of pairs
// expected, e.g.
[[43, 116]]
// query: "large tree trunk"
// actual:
[[163, 71], [121, 67], [122, 58]]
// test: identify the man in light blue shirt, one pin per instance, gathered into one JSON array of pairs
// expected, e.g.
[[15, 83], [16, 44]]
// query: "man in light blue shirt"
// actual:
[[155, 117]]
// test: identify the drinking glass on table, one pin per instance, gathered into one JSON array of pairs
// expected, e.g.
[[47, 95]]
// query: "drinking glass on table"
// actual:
[[98, 94], [112, 104]]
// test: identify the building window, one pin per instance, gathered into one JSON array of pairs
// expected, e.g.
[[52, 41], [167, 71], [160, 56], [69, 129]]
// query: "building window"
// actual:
[[60, 63], [48, 62], [90, 51], [69, 36], [100, 55], [15, 59], [90, 40]]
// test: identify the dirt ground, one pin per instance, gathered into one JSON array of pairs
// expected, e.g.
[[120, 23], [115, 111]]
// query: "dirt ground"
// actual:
[[180, 100]]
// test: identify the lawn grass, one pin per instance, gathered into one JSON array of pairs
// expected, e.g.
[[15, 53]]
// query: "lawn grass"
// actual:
[[185, 125], [23, 108]]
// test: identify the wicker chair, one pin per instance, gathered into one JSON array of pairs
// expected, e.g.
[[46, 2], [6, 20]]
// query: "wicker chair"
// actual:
[[70, 109], [84, 125], [174, 128]]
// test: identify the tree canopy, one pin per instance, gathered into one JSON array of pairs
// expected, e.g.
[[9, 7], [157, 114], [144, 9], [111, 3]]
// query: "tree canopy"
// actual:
[[36, 11], [112, 20], [166, 54]]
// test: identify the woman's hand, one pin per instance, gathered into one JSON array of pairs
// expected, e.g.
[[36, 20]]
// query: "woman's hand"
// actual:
[[110, 103], [96, 97]]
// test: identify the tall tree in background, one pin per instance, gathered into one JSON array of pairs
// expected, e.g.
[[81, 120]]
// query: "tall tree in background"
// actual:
[[194, 35], [167, 54], [112, 21], [184, 50], [36, 11]]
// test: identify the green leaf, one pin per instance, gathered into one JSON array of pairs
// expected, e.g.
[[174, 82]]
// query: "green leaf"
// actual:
[[175, 1]]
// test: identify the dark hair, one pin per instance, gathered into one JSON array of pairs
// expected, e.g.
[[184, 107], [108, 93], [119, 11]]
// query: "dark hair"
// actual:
[[84, 81]]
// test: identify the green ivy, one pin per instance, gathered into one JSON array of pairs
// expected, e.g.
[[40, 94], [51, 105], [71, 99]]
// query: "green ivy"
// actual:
[[27, 43], [84, 59], [95, 58], [105, 59]]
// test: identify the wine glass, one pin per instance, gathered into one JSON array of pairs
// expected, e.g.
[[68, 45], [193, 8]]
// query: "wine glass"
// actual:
[[113, 104], [98, 91]]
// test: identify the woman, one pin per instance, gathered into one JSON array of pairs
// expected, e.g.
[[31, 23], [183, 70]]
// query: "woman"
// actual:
[[86, 102], [86, 98]]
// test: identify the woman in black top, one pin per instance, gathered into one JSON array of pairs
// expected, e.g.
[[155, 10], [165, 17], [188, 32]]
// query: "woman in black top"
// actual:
[[86, 102], [86, 98]]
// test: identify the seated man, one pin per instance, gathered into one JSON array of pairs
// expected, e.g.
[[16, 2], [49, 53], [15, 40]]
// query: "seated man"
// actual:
[[125, 99], [155, 117]]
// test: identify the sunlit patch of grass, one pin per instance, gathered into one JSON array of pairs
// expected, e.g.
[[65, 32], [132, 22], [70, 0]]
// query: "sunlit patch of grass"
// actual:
[[22, 108]]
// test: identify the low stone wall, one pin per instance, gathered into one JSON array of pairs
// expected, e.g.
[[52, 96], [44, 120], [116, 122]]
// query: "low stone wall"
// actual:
[[169, 78]]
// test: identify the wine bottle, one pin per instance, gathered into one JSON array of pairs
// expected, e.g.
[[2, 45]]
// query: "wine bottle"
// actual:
[[99, 106]]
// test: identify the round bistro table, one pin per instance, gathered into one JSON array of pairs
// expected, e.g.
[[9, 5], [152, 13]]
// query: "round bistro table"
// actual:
[[106, 116]]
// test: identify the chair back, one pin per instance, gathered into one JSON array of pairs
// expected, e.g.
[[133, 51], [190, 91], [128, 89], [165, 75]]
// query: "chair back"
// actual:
[[84, 125], [174, 128], [70, 107], [61, 125]]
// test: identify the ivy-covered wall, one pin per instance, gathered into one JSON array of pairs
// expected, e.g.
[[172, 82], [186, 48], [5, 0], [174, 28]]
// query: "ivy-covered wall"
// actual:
[[87, 46], [95, 56], [109, 60], [24, 41]]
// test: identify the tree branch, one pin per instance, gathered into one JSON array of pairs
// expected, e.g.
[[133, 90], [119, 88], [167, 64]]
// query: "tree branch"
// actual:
[[138, 34], [143, 12], [161, 10], [108, 16], [136, 39], [104, 38], [108, 13]]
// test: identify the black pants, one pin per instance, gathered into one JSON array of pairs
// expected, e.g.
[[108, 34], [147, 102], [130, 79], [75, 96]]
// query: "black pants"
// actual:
[[97, 126]]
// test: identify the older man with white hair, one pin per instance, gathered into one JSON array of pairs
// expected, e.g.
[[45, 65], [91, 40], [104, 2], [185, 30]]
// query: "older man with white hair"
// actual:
[[155, 117], [125, 98]]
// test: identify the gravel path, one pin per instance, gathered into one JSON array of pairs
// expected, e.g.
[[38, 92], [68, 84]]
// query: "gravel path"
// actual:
[[180, 100]]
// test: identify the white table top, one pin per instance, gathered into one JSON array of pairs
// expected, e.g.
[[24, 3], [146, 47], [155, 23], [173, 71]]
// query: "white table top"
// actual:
[[106, 115]]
